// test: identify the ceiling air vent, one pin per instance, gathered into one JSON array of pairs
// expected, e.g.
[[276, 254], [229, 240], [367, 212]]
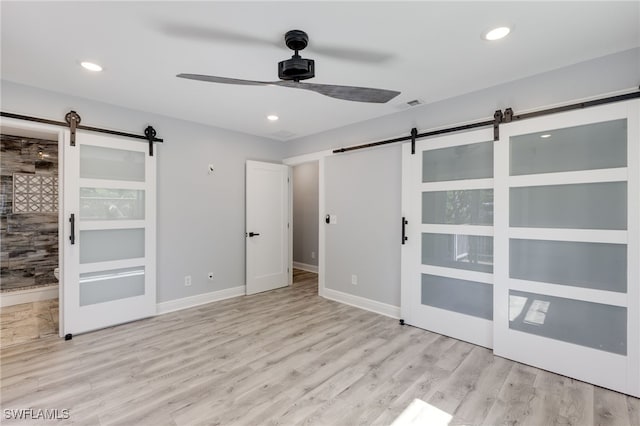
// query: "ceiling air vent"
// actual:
[[414, 102]]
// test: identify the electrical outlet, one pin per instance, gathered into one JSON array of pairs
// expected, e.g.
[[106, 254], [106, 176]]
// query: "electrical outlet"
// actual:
[[187, 280], [354, 279], [210, 276], [313, 254]]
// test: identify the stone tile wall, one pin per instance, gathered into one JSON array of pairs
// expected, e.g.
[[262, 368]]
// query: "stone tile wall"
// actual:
[[28, 241]]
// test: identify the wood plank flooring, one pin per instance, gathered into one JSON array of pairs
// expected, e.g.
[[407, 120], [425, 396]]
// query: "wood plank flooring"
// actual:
[[288, 357]]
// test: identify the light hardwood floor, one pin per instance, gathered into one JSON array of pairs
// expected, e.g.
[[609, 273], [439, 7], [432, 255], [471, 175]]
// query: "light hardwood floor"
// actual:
[[288, 357]]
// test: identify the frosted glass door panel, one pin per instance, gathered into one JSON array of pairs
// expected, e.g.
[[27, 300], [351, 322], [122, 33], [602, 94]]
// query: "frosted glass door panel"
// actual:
[[473, 161], [97, 162], [590, 265], [470, 252], [463, 207], [588, 147], [109, 245], [100, 287], [111, 204], [579, 206], [462, 296], [594, 325]]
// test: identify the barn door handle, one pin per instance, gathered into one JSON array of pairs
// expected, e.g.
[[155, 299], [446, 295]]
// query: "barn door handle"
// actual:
[[404, 230], [72, 220], [253, 234]]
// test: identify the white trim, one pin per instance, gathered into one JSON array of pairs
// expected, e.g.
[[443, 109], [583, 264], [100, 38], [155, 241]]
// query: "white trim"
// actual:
[[561, 234], [457, 185], [570, 292], [568, 178], [633, 248], [10, 298], [306, 267], [102, 225], [469, 137], [459, 274], [84, 268], [320, 158], [306, 158], [199, 299], [112, 184], [362, 303], [477, 230]]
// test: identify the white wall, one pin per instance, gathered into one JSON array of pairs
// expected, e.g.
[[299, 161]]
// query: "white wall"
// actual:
[[361, 183], [364, 193], [200, 216], [305, 213]]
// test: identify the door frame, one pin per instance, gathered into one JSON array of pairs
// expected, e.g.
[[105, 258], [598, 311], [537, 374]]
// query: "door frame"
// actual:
[[294, 161], [30, 129]]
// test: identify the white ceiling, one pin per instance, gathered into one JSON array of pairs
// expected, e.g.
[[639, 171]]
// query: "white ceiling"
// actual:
[[434, 51]]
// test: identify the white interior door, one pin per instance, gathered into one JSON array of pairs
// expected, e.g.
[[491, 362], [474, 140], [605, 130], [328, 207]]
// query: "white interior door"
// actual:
[[267, 230], [447, 259], [109, 274], [566, 244]]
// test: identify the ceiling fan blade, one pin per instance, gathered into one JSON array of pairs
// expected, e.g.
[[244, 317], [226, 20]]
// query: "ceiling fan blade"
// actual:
[[209, 34], [347, 93], [225, 80]]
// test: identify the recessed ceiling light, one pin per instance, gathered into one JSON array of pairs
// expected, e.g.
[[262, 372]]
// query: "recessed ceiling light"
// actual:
[[545, 136], [272, 117], [91, 66], [496, 33]]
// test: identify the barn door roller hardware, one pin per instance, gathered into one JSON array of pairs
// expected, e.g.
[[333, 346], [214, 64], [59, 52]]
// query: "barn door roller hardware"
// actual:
[[499, 117], [72, 120]]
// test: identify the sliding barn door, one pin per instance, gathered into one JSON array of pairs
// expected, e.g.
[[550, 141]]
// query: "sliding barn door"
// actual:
[[447, 258], [109, 239], [566, 245]]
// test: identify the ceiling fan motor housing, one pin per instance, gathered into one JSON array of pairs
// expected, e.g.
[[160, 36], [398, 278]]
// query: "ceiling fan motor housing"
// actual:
[[296, 69]]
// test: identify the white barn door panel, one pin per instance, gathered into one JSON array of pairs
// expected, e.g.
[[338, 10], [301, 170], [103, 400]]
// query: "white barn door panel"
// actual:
[[447, 273], [110, 232], [566, 245]]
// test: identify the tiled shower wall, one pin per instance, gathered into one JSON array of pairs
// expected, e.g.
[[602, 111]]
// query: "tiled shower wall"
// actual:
[[28, 240]]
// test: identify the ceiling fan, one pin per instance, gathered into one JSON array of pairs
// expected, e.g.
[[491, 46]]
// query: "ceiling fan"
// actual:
[[292, 71]]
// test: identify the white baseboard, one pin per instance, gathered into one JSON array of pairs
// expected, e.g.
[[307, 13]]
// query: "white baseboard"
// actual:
[[199, 299], [362, 303], [305, 267]]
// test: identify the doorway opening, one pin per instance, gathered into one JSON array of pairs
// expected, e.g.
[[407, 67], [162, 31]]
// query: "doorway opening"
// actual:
[[305, 215], [29, 241]]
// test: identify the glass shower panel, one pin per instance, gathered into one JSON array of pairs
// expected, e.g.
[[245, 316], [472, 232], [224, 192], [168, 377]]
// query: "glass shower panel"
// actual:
[[112, 244], [111, 204], [589, 324], [474, 161], [469, 252], [588, 147], [458, 207], [600, 205], [105, 286], [462, 296], [589, 265], [97, 162]]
